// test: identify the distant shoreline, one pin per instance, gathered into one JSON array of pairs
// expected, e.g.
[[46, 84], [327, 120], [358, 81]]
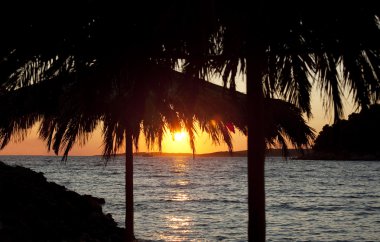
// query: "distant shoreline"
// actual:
[[293, 154], [240, 153]]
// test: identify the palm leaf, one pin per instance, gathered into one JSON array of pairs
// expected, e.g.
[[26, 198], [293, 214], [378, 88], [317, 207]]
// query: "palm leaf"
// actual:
[[68, 112]]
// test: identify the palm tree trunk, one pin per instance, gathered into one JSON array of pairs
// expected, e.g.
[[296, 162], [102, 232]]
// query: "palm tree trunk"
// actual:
[[256, 147], [129, 232]]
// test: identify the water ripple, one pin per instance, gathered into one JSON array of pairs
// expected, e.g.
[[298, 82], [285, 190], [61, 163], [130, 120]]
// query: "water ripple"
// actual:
[[181, 199]]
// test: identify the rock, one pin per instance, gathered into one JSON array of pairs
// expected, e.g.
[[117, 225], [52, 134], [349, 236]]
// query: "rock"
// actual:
[[33, 209]]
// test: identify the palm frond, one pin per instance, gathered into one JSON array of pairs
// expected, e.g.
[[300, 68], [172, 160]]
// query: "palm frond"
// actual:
[[15, 128], [174, 101], [293, 83]]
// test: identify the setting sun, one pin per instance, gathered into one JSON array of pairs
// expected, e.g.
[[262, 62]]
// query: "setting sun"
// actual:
[[179, 136], [176, 142]]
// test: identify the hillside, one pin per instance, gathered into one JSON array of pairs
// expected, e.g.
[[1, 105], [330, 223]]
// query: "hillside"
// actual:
[[354, 139]]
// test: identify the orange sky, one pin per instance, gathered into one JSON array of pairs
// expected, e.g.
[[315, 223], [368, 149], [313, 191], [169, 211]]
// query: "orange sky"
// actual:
[[33, 146]]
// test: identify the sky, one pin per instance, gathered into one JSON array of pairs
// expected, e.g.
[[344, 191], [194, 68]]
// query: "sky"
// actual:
[[32, 145]]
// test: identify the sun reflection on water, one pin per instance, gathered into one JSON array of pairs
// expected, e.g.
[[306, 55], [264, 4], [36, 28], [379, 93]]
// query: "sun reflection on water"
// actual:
[[176, 222], [179, 169], [180, 197], [180, 166], [177, 225], [181, 182]]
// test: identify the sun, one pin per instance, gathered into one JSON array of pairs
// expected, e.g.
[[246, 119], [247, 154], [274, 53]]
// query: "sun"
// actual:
[[179, 136], [176, 142]]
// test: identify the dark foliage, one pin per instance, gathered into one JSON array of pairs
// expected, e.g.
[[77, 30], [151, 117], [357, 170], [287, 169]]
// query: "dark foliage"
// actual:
[[282, 47], [357, 136]]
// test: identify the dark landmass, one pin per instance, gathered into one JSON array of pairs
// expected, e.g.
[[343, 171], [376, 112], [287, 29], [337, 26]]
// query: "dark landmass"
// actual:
[[307, 154], [241, 153], [214, 154], [32, 209], [354, 139]]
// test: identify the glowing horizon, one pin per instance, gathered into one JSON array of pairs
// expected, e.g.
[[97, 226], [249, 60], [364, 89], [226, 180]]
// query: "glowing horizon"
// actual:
[[177, 142], [172, 143]]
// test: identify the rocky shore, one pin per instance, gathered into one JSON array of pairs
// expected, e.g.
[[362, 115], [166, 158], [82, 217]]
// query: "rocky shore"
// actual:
[[33, 209]]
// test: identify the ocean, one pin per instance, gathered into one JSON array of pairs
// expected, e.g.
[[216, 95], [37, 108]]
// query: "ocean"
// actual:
[[205, 199]]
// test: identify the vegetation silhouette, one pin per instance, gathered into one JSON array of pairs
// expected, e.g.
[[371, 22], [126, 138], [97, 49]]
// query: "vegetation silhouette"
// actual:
[[66, 118], [282, 48], [355, 138]]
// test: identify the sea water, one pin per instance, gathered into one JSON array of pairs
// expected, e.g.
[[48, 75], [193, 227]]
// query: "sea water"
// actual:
[[185, 199]]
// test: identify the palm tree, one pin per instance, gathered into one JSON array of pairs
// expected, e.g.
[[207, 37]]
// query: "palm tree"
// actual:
[[67, 116], [282, 48]]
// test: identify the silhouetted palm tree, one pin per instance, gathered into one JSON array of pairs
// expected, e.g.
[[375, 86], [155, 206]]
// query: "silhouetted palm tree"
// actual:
[[283, 48], [69, 110]]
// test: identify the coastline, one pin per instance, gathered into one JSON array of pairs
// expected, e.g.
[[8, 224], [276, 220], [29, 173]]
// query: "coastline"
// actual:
[[33, 209], [307, 154], [239, 153]]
